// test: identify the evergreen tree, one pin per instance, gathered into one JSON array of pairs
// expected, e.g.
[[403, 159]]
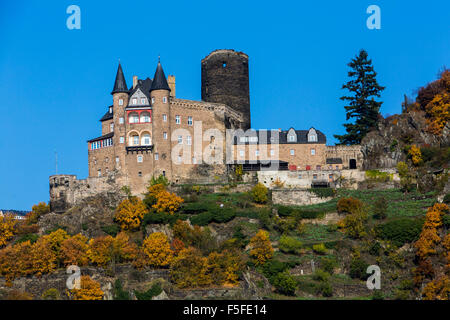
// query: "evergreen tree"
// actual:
[[362, 105]]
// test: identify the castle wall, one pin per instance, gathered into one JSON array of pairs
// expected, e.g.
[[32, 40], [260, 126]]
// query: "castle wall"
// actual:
[[346, 153]]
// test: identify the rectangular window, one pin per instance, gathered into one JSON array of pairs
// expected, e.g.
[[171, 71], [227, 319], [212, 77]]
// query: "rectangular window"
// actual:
[[117, 159], [292, 152], [180, 139], [164, 99], [272, 152], [177, 119], [99, 172], [142, 100], [120, 102], [313, 152], [165, 135], [253, 139], [314, 176], [111, 127], [153, 100], [121, 120], [122, 139], [188, 140], [164, 117], [241, 153], [134, 101], [156, 156], [179, 159], [189, 121], [140, 158], [194, 161], [135, 140], [256, 152]]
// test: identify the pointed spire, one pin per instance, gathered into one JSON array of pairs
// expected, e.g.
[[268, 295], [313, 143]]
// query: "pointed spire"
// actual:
[[159, 80], [120, 85]]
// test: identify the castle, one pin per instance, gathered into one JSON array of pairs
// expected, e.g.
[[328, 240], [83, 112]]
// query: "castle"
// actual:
[[148, 131]]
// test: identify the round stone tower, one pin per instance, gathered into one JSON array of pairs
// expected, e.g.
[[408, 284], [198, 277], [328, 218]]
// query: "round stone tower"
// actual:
[[225, 80]]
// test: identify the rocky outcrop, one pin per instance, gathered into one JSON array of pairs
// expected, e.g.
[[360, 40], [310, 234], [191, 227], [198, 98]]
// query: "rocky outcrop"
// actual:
[[383, 147], [87, 217]]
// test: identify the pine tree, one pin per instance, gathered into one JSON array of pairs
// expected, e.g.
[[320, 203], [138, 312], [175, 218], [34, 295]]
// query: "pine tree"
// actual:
[[362, 105]]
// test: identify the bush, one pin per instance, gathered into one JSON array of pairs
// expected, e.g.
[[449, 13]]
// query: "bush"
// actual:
[[260, 193], [112, 229], [328, 264], [273, 267], [321, 275], [400, 231], [28, 237], [119, 293], [325, 289], [202, 219], [289, 244], [358, 268], [377, 295], [285, 283], [284, 211], [150, 293], [447, 198], [375, 248], [160, 180], [319, 248], [323, 192], [377, 176], [446, 221], [349, 205], [380, 208], [51, 294]]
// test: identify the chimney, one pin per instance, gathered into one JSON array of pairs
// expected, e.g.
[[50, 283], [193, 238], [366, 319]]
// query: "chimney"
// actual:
[[171, 82], [135, 81]]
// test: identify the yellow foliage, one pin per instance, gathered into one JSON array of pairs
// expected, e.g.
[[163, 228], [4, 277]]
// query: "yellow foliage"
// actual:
[[261, 247], [438, 111], [259, 193], [43, 258], [437, 289], [7, 231], [190, 269], [167, 202], [90, 290], [104, 250], [130, 213], [157, 248], [416, 155]]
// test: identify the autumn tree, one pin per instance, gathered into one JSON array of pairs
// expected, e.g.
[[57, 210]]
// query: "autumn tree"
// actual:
[[90, 290], [190, 269], [415, 154], [108, 250], [224, 267], [259, 193], [261, 247], [362, 105], [43, 257], [74, 250], [37, 210], [157, 248], [130, 213], [7, 230]]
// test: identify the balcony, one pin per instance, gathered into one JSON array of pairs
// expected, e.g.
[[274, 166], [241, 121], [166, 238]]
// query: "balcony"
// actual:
[[139, 149]]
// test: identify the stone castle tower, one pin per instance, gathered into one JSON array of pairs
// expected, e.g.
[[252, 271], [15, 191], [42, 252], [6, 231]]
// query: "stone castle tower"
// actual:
[[225, 80]]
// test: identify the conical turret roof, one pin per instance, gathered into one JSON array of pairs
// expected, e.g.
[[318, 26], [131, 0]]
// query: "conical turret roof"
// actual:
[[159, 80], [120, 85]]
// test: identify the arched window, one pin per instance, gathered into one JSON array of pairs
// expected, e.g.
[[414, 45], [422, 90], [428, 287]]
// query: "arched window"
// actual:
[[133, 139], [145, 139], [145, 117], [133, 118]]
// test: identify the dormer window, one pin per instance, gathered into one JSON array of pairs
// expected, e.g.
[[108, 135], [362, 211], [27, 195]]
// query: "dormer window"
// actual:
[[291, 136], [312, 135], [134, 101], [142, 100]]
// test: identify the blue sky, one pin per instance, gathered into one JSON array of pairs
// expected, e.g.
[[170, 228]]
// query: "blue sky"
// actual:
[[55, 83]]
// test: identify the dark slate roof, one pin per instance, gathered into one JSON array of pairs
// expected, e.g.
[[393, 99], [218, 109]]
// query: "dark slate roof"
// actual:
[[159, 80], [108, 115], [105, 136], [334, 161], [120, 84], [144, 85], [280, 137]]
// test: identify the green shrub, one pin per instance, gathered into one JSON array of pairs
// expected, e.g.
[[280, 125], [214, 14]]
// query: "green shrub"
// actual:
[[32, 237], [195, 207], [377, 176], [447, 198], [446, 221], [375, 248], [321, 275], [150, 293], [379, 208], [400, 231], [272, 267], [323, 192], [377, 295], [328, 264], [284, 211], [285, 283], [260, 193], [118, 292], [325, 289], [358, 268], [160, 180], [319, 248], [289, 244], [112, 229]]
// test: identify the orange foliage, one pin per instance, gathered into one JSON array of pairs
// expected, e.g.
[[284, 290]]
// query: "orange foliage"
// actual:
[[167, 202], [349, 205], [416, 155], [130, 213], [177, 245], [438, 289], [105, 250], [74, 251], [438, 111], [90, 290], [261, 247]]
